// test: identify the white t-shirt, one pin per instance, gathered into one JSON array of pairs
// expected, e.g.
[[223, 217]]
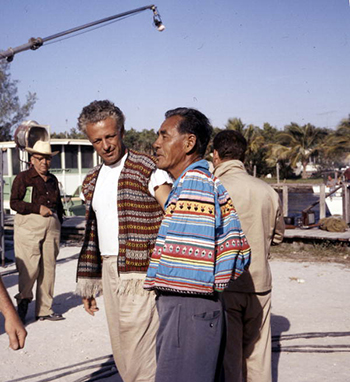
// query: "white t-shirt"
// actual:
[[104, 203]]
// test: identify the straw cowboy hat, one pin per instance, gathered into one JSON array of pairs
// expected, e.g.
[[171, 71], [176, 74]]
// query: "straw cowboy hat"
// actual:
[[41, 147]]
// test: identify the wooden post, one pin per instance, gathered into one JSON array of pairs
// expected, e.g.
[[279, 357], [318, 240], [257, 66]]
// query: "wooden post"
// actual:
[[346, 203], [254, 171], [278, 172], [285, 200], [322, 201]]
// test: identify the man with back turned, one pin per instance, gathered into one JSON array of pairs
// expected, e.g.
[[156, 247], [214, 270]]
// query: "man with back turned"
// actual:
[[247, 300]]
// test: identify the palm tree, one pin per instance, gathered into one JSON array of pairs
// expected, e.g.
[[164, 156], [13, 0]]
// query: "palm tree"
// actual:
[[235, 124], [252, 134], [296, 144], [339, 142]]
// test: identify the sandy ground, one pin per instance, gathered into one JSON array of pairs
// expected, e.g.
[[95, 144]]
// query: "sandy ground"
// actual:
[[311, 329]]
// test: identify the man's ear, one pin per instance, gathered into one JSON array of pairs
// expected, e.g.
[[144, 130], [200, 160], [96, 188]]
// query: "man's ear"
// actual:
[[216, 158], [190, 143]]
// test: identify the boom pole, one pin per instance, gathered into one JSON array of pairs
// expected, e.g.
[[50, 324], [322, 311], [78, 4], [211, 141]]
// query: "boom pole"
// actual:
[[36, 43]]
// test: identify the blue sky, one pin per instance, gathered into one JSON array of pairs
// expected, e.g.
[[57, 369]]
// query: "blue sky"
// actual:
[[273, 61]]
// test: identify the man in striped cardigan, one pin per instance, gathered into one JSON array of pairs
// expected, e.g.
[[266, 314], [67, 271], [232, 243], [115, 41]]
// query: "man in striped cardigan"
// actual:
[[124, 198], [200, 246]]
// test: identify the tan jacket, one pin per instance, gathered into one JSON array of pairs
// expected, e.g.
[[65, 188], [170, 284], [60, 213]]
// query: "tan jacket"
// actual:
[[259, 210]]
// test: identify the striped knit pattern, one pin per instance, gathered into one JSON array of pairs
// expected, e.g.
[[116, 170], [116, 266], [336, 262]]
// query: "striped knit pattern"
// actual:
[[90, 262], [139, 220], [200, 245], [139, 214]]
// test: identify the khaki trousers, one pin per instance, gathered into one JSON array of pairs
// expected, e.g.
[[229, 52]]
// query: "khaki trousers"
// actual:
[[132, 322], [248, 337], [37, 241]]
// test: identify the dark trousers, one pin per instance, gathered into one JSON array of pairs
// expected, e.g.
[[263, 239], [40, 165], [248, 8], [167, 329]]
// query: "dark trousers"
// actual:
[[247, 354], [189, 338]]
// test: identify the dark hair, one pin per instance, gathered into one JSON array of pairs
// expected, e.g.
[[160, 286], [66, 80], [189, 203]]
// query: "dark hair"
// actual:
[[193, 122], [98, 111], [230, 144]]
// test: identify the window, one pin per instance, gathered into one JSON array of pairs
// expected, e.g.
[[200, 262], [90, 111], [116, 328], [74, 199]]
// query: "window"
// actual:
[[5, 162], [87, 156], [56, 159], [15, 161], [71, 156]]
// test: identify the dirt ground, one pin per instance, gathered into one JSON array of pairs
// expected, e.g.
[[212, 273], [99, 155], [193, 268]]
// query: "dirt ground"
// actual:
[[310, 325]]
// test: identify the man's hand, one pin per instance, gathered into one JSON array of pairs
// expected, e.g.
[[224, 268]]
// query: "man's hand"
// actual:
[[15, 330], [13, 325], [45, 211], [90, 305]]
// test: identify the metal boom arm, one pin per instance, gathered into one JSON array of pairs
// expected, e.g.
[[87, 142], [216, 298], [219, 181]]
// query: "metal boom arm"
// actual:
[[36, 43]]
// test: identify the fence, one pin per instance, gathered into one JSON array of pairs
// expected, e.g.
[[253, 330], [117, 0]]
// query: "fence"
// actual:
[[344, 199]]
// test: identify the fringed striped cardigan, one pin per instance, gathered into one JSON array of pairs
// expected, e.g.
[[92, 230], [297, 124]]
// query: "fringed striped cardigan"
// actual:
[[139, 217]]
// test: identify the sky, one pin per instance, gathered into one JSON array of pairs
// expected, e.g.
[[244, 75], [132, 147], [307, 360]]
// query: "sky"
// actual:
[[261, 61]]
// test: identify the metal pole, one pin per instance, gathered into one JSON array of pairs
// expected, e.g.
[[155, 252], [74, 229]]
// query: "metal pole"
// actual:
[[2, 236], [36, 43]]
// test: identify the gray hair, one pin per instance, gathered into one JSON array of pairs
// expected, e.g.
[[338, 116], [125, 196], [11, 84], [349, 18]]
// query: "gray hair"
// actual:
[[98, 111]]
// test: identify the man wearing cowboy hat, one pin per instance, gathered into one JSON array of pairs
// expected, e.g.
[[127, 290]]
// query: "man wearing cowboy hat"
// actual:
[[35, 196]]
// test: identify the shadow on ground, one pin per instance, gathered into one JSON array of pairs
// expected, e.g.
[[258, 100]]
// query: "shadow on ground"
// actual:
[[61, 304], [95, 370], [280, 342], [279, 324]]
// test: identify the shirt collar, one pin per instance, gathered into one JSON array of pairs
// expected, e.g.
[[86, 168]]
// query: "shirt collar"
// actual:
[[199, 165], [120, 162], [34, 174], [228, 165]]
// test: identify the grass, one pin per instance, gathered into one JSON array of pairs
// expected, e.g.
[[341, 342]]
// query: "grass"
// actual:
[[325, 252], [291, 181]]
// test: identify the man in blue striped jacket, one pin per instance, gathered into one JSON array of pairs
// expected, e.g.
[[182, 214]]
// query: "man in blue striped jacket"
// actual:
[[199, 248]]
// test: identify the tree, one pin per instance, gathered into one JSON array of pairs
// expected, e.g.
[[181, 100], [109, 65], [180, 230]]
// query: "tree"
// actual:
[[269, 133], [255, 142], [266, 166], [11, 111], [140, 141], [339, 142], [235, 124], [147, 138], [73, 134], [297, 144]]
